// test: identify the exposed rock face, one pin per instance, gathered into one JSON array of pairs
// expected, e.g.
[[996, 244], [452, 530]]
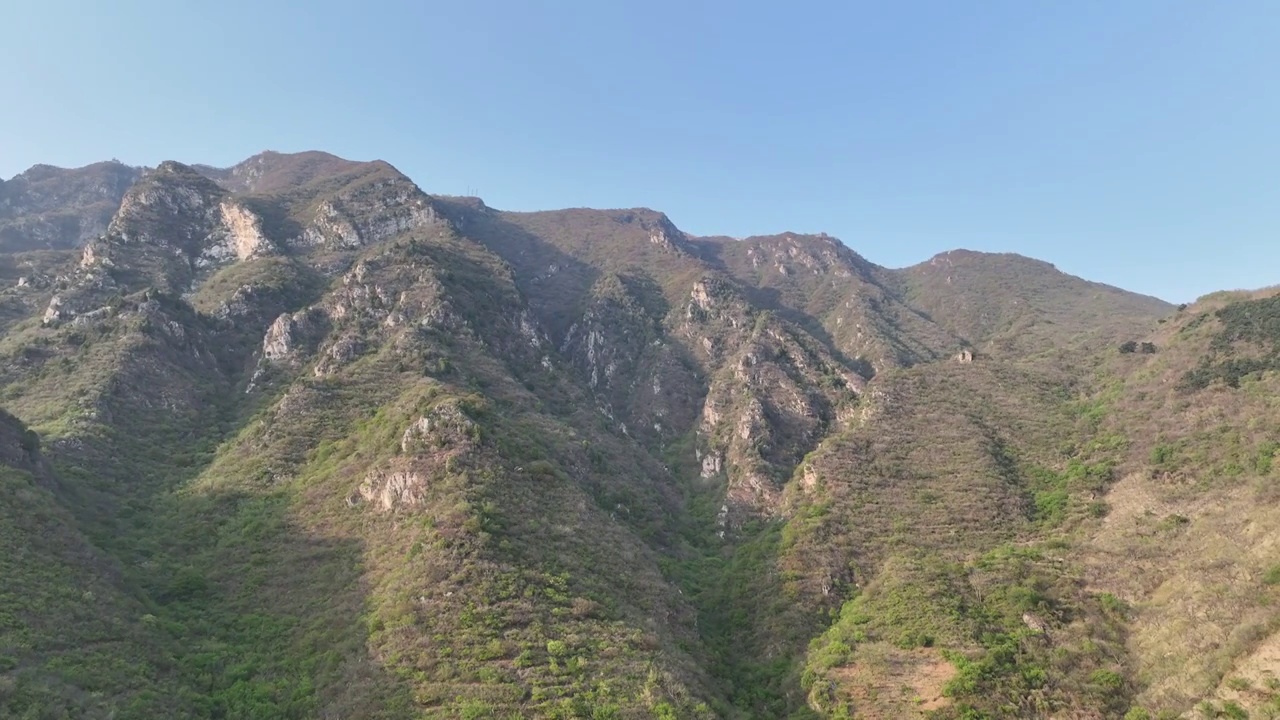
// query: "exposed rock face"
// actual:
[[390, 490], [439, 436], [444, 426], [712, 464], [1034, 623], [628, 360], [279, 343], [666, 235], [176, 226], [245, 238], [53, 313], [168, 232], [172, 207], [816, 255], [342, 351], [860, 306], [331, 226], [291, 335], [368, 214], [774, 394], [333, 203], [764, 391], [289, 339]]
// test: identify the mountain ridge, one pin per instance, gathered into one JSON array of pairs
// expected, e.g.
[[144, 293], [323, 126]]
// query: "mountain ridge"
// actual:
[[291, 169], [407, 455]]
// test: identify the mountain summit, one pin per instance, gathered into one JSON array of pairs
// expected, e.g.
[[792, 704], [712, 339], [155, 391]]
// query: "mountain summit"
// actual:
[[298, 439]]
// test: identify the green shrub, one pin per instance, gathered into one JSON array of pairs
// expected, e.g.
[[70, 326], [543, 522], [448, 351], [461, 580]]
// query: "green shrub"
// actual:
[[1107, 679], [1161, 454], [1266, 457], [475, 710], [606, 712], [543, 469], [1113, 605], [1173, 522], [1231, 709], [910, 639], [1051, 505], [833, 654], [187, 584]]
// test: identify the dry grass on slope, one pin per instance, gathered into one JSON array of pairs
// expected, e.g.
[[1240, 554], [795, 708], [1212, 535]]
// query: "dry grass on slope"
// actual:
[[936, 524], [1195, 574], [1006, 303], [1194, 528]]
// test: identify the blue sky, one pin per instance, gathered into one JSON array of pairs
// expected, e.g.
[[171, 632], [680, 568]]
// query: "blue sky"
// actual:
[[1133, 142]]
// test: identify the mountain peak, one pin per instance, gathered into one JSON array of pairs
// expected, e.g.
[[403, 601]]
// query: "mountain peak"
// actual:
[[271, 171], [48, 207], [43, 171], [1019, 302], [173, 167], [963, 256]]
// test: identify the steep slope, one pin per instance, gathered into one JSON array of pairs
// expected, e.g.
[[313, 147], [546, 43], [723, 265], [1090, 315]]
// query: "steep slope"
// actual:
[[779, 337], [330, 446], [1006, 303], [816, 277], [27, 280], [53, 208], [75, 641], [928, 529], [495, 533], [1189, 541], [673, 348]]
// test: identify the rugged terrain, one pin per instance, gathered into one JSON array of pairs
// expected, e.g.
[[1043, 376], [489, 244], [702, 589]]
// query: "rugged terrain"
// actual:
[[296, 439]]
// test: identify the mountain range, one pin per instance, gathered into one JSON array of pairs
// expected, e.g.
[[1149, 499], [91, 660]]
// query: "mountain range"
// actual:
[[298, 439]]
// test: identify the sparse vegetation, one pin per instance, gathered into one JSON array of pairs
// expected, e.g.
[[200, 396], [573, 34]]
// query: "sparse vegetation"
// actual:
[[1247, 343], [579, 465]]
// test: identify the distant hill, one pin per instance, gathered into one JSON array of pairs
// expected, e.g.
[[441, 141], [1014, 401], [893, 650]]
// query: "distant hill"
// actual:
[[1006, 301], [273, 172], [52, 208]]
